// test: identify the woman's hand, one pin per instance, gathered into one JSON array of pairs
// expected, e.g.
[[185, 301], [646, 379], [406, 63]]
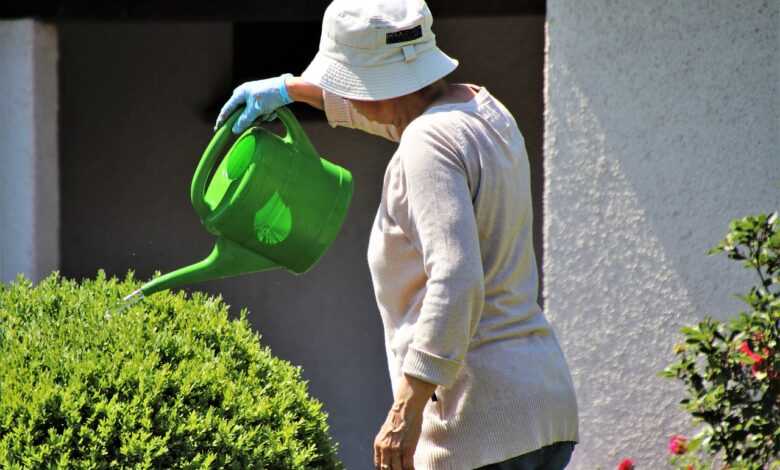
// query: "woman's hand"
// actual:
[[260, 97], [396, 442]]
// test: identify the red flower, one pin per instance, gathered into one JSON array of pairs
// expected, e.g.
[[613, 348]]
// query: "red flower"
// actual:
[[758, 359], [678, 444], [745, 348], [626, 464], [689, 467]]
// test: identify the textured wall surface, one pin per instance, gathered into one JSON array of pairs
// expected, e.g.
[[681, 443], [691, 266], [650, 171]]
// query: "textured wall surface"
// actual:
[[29, 191], [661, 125]]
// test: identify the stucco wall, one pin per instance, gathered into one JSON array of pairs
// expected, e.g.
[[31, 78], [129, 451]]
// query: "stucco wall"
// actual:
[[661, 125], [29, 185]]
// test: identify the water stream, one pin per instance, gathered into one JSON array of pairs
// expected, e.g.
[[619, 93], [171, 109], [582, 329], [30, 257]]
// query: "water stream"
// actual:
[[124, 304]]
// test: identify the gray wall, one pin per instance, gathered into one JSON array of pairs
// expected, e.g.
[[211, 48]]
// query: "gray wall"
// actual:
[[29, 181], [135, 119], [662, 125]]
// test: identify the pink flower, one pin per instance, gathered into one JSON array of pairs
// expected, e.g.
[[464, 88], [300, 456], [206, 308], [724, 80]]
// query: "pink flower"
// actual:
[[626, 464], [678, 444]]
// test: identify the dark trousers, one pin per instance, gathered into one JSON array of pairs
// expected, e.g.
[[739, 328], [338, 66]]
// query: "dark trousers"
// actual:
[[553, 457]]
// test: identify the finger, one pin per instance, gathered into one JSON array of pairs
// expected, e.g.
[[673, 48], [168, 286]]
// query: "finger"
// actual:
[[227, 109], [244, 120], [384, 459], [407, 459], [268, 117], [395, 459], [377, 454]]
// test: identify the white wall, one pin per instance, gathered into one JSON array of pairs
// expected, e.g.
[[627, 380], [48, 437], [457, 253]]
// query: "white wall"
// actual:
[[29, 199], [661, 125]]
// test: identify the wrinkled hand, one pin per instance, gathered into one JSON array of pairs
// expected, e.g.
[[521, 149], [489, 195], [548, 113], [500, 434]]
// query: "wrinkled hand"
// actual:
[[261, 98], [396, 442]]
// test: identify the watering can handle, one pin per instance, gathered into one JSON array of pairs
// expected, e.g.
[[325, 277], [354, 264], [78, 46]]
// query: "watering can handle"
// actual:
[[207, 162], [295, 132]]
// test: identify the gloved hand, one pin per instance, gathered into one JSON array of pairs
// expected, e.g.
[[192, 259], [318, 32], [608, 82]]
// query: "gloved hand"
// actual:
[[261, 98]]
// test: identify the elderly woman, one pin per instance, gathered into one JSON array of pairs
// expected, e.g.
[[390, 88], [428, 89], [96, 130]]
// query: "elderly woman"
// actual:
[[479, 379]]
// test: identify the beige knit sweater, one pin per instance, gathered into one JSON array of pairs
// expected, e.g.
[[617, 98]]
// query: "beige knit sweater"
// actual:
[[455, 278]]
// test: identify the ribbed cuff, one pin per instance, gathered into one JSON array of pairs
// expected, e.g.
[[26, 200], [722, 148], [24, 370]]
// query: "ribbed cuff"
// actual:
[[336, 110], [430, 368]]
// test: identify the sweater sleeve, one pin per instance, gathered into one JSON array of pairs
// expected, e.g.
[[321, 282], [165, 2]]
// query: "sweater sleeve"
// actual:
[[340, 112], [442, 224]]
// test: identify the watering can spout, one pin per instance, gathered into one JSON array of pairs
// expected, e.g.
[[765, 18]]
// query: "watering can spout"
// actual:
[[227, 259]]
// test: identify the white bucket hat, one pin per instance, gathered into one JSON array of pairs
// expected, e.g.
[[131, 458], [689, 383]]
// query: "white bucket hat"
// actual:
[[375, 50]]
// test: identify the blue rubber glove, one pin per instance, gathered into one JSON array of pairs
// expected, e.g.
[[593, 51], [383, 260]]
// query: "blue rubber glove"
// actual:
[[261, 98]]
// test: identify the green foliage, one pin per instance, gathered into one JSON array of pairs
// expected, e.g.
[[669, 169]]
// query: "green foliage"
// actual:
[[731, 370], [170, 382]]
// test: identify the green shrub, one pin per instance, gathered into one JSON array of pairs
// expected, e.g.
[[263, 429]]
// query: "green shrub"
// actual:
[[171, 382], [731, 370]]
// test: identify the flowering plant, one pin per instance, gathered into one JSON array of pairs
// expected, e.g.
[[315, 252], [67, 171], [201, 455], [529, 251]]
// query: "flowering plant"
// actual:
[[731, 370], [626, 464]]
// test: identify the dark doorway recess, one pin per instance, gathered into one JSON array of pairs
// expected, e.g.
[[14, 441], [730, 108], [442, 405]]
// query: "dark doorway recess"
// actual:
[[267, 49]]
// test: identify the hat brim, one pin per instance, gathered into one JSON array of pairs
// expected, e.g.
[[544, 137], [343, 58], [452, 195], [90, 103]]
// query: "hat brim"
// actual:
[[382, 81]]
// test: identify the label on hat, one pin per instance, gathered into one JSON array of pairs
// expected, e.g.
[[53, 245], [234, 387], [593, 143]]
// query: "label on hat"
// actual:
[[404, 35]]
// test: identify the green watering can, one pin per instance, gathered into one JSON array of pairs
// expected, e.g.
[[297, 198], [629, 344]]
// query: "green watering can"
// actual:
[[272, 203]]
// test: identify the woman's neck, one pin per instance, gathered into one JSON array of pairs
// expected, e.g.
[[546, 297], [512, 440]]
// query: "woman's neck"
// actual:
[[409, 107]]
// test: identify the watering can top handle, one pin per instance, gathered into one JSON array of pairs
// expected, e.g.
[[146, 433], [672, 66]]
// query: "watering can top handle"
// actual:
[[295, 132]]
